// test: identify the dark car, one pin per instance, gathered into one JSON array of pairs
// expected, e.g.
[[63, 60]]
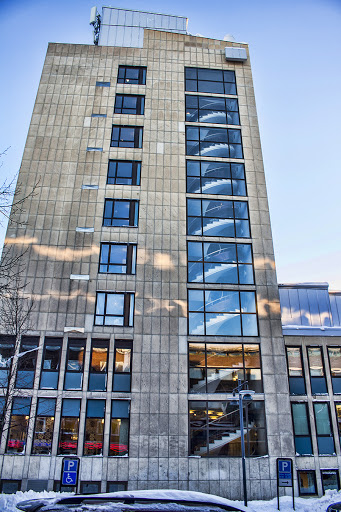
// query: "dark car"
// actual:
[[132, 501], [334, 507]]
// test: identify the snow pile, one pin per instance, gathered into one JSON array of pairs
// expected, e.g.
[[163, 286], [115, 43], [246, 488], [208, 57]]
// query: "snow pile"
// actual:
[[8, 502]]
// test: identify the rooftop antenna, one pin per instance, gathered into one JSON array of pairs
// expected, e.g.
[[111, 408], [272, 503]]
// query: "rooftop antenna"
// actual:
[[95, 21]]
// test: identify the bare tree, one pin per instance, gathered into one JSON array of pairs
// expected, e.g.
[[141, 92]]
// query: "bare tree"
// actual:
[[15, 321]]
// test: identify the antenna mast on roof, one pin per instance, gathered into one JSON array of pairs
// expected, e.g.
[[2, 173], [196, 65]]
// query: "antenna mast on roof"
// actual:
[[95, 20]]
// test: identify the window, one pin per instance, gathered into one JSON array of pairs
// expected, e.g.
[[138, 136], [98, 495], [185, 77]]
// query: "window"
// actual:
[[51, 363], [210, 80], [207, 217], [20, 416], [122, 365], [302, 434], [295, 370], [222, 313], [102, 84], [27, 362], [307, 483], [220, 178], [7, 344], [208, 109], [124, 172], [334, 354], [129, 104], [74, 364], [325, 439], [120, 213], [316, 369], [37, 485], [215, 142], [94, 427], [116, 486], [69, 427], [126, 136], [131, 75], [98, 366], [214, 262], [117, 258], [215, 429], [119, 428], [10, 486], [115, 309], [90, 487], [330, 480], [217, 368], [43, 432]]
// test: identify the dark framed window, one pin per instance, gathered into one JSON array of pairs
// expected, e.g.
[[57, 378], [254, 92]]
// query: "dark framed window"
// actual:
[[210, 109], [117, 486], [216, 368], [74, 364], [316, 369], [215, 142], [307, 483], [302, 432], [94, 427], [117, 258], [295, 371], [222, 313], [98, 365], [210, 217], [120, 213], [122, 365], [215, 429], [214, 262], [119, 428], [124, 172], [210, 80], [324, 431], [27, 361], [37, 485], [102, 84], [10, 486], [57, 487], [330, 480], [131, 75], [90, 487], [114, 309], [43, 431], [220, 178], [126, 136], [20, 415], [334, 354], [51, 363], [7, 345], [129, 104], [69, 427]]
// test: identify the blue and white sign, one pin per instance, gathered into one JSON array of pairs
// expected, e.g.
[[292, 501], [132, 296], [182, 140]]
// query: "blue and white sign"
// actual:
[[284, 472], [70, 471]]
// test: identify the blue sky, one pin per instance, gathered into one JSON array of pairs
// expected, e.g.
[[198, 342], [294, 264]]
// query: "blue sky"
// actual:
[[295, 50]]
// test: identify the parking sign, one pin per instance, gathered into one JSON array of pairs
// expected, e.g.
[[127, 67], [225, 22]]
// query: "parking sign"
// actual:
[[70, 471], [284, 471]]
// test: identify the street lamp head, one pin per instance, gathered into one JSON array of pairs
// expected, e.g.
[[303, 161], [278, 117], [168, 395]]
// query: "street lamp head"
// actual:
[[246, 394]]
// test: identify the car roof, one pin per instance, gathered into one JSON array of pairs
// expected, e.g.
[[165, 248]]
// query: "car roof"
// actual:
[[159, 495], [129, 497]]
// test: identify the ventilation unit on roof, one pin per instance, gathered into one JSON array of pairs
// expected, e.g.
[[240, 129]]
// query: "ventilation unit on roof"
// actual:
[[235, 54]]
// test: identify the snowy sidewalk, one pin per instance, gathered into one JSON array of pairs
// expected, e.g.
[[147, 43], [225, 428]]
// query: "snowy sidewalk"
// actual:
[[8, 502]]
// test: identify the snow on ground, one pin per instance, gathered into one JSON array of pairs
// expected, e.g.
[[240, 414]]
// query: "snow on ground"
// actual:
[[8, 502]]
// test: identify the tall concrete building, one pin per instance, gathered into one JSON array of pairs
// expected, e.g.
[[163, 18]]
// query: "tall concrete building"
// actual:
[[149, 255]]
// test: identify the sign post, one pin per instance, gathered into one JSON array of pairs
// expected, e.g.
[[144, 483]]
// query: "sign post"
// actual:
[[285, 477], [70, 469]]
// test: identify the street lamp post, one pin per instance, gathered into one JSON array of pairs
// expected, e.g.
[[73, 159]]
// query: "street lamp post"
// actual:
[[244, 396]]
